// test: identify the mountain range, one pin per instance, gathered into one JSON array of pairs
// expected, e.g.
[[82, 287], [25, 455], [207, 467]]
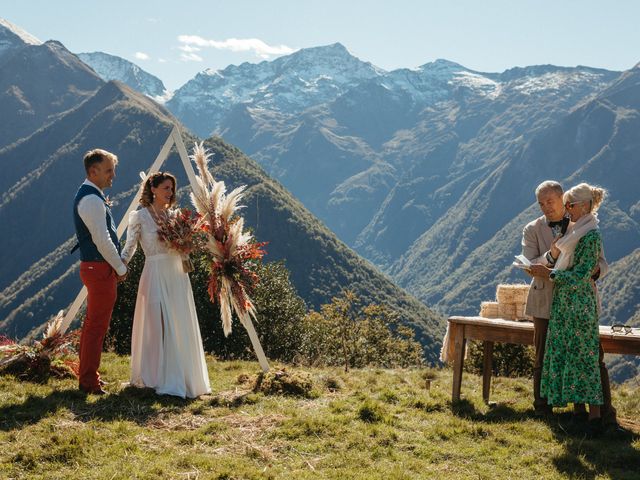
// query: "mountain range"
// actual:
[[43, 169], [424, 170]]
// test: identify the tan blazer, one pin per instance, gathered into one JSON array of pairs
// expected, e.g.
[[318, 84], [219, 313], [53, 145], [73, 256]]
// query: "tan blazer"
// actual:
[[536, 242]]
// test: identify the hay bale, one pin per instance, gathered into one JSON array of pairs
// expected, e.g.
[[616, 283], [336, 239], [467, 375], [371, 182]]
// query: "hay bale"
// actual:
[[512, 294], [507, 311], [489, 309], [520, 313]]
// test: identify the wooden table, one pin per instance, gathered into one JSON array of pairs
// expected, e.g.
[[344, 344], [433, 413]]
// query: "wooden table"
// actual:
[[490, 330]]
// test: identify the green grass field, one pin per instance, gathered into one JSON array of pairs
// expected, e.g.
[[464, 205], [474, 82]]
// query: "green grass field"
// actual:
[[365, 424]]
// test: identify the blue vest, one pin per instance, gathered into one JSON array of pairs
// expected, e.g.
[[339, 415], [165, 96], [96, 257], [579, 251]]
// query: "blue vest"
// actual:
[[88, 250]]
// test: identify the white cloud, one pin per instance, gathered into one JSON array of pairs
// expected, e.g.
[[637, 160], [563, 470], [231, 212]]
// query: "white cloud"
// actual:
[[189, 48], [162, 60], [255, 45], [141, 56], [190, 57]]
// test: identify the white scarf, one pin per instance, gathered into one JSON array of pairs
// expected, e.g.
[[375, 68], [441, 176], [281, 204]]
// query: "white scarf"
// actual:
[[567, 244]]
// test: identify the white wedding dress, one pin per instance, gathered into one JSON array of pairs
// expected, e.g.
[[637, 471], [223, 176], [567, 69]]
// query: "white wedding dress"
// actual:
[[166, 347]]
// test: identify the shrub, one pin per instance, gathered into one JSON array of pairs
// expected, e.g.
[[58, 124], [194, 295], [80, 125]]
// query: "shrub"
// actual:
[[341, 334], [509, 360]]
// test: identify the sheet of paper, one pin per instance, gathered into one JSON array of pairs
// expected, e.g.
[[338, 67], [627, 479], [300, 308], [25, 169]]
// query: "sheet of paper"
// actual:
[[523, 260]]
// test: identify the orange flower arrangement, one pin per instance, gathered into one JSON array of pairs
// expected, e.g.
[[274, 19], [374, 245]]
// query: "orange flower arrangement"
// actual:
[[232, 250]]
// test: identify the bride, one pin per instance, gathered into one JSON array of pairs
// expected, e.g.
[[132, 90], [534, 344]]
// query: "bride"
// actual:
[[166, 347]]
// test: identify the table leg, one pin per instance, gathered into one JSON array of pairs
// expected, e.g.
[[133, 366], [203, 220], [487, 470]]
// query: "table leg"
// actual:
[[458, 359], [487, 367]]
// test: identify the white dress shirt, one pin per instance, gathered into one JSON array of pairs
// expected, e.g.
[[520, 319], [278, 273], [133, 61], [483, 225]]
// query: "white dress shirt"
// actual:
[[93, 212]]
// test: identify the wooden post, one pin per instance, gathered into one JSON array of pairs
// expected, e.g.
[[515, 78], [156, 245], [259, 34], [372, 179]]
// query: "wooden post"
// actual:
[[255, 341], [487, 366], [459, 343]]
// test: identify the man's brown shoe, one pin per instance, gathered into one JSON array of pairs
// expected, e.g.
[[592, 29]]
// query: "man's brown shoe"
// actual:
[[93, 391]]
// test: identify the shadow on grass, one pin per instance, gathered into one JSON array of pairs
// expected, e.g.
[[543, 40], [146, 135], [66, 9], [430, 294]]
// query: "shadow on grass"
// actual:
[[611, 455], [499, 413], [132, 404]]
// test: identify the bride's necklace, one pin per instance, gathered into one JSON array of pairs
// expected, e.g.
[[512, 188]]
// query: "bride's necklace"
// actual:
[[157, 217]]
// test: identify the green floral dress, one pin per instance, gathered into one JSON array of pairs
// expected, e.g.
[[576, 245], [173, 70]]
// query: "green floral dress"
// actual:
[[571, 372]]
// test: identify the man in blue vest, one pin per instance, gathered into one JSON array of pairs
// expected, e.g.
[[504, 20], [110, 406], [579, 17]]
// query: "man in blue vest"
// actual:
[[100, 267]]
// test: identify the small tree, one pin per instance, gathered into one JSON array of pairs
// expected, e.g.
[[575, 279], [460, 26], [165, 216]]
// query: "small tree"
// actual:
[[280, 312], [340, 334]]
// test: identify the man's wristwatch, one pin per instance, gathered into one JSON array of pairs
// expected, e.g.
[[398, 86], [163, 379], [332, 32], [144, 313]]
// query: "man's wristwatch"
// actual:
[[550, 259]]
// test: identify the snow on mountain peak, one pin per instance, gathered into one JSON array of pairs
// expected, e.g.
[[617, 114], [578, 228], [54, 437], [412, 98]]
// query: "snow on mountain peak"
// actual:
[[111, 67], [23, 35], [288, 84], [556, 80], [334, 57], [442, 65], [320, 75]]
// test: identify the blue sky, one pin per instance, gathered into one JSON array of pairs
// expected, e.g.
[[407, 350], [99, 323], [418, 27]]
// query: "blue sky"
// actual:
[[176, 39]]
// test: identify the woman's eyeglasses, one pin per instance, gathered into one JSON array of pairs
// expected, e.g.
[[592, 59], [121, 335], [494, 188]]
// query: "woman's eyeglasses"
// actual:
[[619, 328], [569, 205]]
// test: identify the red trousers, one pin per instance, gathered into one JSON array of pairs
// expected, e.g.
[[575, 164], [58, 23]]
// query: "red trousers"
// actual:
[[101, 282]]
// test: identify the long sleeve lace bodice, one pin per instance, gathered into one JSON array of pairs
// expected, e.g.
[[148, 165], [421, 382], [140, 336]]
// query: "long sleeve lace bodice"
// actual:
[[144, 230]]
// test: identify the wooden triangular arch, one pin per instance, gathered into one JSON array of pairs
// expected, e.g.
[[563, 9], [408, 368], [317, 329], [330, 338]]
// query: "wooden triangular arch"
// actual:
[[174, 138]]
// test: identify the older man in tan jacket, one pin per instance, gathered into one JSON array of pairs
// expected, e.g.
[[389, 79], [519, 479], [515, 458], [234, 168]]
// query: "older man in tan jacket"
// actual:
[[538, 246]]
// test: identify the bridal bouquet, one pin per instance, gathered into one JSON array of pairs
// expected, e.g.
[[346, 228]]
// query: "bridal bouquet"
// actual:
[[55, 355], [182, 231], [232, 251]]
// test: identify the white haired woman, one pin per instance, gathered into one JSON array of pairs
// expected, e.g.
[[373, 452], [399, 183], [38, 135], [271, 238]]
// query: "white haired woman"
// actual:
[[571, 371]]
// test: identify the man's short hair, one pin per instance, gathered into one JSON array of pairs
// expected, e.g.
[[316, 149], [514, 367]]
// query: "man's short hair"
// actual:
[[549, 185], [97, 155]]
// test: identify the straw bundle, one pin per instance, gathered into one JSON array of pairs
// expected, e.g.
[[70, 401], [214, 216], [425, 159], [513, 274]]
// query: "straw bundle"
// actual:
[[511, 304], [489, 310], [520, 309], [512, 294], [507, 311]]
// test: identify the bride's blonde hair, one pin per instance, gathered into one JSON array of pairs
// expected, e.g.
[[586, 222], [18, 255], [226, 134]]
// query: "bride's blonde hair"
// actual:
[[584, 192]]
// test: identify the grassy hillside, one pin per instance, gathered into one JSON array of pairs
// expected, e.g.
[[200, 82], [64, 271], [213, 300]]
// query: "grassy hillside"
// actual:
[[365, 424]]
